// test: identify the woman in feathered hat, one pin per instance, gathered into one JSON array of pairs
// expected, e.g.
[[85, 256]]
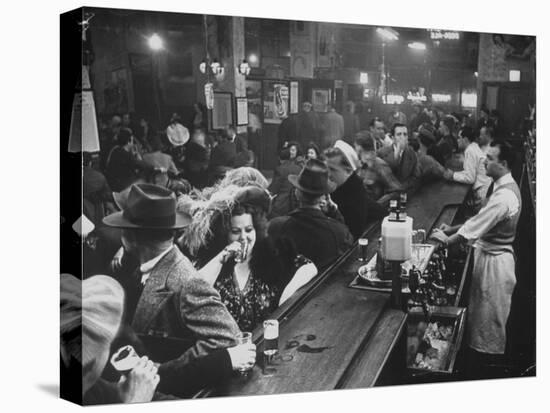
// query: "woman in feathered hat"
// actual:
[[253, 274]]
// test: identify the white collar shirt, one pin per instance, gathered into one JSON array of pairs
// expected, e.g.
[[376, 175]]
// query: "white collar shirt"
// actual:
[[148, 266]]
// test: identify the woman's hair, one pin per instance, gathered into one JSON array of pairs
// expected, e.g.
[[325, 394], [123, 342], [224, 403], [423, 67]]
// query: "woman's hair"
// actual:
[[313, 145], [259, 218]]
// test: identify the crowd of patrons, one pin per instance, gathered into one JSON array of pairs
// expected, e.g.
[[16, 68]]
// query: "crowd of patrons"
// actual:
[[174, 210]]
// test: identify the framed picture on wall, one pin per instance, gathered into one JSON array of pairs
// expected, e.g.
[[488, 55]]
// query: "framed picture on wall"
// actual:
[[242, 110], [222, 113], [275, 101], [320, 99]]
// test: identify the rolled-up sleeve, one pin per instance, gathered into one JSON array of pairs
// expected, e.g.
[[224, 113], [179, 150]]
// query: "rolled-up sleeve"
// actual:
[[495, 210], [468, 174]]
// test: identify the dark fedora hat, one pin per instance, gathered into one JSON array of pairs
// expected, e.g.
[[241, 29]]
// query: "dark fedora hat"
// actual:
[[313, 179], [148, 206]]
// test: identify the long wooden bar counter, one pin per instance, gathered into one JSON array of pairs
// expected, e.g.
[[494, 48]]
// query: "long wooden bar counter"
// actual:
[[332, 336]]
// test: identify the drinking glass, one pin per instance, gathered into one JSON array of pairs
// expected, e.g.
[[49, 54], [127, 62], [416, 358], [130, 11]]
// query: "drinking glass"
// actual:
[[363, 244], [244, 337]]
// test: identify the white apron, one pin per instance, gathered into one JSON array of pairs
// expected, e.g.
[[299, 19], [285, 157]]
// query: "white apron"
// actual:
[[493, 282]]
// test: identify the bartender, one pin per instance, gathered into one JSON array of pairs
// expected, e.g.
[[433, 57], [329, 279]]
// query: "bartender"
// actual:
[[492, 232]]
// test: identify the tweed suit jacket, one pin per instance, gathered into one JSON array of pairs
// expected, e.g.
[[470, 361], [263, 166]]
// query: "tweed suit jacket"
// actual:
[[176, 304]]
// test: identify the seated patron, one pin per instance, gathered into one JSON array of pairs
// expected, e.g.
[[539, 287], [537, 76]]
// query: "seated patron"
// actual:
[[375, 173], [473, 171], [280, 187], [429, 168], [165, 298], [446, 146], [123, 164], [401, 158], [315, 235], [253, 274], [355, 205], [378, 130]]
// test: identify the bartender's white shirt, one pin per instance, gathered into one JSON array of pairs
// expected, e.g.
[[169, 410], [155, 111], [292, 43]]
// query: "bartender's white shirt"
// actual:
[[500, 205]]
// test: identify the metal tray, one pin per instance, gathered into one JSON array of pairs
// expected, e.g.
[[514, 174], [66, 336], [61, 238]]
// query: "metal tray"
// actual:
[[367, 277]]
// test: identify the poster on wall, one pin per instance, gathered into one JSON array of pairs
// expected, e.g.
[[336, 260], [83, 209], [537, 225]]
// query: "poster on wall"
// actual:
[[242, 111], [222, 113], [320, 99], [275, 101]]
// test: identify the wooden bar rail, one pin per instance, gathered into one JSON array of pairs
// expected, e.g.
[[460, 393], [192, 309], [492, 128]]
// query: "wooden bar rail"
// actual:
[[332, 336]]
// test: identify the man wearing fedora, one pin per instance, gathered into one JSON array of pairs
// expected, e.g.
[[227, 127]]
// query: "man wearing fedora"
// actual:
[[166, 302], [315, 235]]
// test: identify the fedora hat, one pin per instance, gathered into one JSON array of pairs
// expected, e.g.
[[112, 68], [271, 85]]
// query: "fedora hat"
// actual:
[[148, 206], [313, 179]]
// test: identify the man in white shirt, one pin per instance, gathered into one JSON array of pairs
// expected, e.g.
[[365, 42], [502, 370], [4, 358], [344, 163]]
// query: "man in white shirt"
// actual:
[[491, 231], [473, 171]]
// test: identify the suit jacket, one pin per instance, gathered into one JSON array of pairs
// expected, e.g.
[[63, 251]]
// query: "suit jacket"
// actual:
[[179, 307], [406, 170], [357, 207], [282, 189], [315, 236]]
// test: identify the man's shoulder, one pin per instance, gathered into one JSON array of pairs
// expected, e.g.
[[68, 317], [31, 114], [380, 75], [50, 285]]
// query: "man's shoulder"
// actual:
[[384, 151]]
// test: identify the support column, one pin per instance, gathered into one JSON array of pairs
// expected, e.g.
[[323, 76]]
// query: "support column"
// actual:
[[233, 53]]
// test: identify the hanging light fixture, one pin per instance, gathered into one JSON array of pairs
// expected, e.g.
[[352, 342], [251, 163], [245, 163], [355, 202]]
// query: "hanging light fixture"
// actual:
[[244, 68], [216, 67]]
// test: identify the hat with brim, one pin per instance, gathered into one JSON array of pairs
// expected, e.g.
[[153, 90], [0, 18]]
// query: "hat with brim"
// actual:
[[148, 206], [313, 179], [177, 134]]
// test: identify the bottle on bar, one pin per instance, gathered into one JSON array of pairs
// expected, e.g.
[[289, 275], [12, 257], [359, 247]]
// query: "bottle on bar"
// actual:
[[393, 210], [402, 205]]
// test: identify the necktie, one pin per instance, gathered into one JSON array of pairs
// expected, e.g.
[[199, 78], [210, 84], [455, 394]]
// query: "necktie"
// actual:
[[490, 190]]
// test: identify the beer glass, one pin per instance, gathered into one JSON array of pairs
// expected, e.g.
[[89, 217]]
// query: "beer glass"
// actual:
[[271, 338], [363, 244], [242, 253], [244, 337]]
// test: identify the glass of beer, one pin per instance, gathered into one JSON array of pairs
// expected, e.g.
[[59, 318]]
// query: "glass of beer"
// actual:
[[363, 244], [242, 253], [271, 338], [244, 337]]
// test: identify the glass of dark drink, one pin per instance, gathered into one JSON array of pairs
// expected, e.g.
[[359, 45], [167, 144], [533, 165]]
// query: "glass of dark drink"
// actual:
[[363, 244]]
